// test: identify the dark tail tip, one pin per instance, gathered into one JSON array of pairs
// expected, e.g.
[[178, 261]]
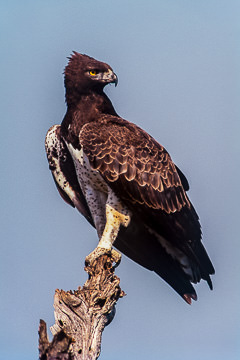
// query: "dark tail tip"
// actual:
[[209, 281]]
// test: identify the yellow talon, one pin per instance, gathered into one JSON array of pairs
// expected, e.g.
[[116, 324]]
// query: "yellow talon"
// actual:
[[99, 251]]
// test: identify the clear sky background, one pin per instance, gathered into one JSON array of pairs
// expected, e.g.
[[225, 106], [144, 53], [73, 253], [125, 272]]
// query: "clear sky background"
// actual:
[[178, 69]]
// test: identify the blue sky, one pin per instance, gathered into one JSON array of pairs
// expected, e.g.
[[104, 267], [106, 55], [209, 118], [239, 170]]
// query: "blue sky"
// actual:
[[178, 69]]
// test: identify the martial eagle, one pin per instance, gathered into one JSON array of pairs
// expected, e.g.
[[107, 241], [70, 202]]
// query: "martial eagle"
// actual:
[[124, 182]]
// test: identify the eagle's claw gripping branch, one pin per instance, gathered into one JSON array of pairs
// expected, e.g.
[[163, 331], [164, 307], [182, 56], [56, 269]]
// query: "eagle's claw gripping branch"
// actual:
[[99, 251]]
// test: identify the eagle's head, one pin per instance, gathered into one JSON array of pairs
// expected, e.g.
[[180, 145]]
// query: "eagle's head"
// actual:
[[83, 74]]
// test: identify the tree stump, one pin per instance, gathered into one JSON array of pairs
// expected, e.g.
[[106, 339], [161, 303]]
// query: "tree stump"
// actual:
[[81, 315]]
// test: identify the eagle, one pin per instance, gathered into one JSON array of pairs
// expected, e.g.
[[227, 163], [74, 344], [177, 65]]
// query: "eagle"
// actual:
[[124, 183]]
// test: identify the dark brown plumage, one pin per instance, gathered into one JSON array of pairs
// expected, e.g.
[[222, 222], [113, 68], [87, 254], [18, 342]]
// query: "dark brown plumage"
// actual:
[[100, 161]]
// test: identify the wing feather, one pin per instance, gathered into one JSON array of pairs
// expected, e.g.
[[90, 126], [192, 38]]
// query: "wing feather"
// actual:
[[137, 159]]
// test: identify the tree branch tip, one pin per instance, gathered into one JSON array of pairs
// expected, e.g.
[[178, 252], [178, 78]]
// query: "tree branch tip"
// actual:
[[122, 294]]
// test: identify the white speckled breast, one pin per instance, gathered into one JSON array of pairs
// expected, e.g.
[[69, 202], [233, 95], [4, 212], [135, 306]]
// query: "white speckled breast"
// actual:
[[93, 187]]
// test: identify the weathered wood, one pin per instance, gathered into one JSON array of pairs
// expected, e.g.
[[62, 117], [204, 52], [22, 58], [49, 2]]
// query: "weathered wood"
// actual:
[[81, 315]]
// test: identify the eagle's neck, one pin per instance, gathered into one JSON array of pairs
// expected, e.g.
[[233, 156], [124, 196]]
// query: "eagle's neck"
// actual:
[[89, 107]]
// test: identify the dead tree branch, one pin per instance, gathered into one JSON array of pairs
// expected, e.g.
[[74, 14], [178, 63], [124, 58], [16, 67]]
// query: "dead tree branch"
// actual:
[[81, 316]]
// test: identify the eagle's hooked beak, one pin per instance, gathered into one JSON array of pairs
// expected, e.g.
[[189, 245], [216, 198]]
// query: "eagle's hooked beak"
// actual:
[[110, 77], [115, 79]]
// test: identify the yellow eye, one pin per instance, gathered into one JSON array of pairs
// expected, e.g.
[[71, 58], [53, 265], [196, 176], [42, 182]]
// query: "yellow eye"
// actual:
[[93, 72]]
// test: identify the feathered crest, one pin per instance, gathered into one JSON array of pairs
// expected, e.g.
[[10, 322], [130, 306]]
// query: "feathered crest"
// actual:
[[76, 60], [79, 61]]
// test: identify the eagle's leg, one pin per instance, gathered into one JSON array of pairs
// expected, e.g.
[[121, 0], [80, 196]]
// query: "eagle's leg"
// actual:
[[116, 215]]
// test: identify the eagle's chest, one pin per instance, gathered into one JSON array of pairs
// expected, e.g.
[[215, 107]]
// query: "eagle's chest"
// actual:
[[87, 177], [93, 186]]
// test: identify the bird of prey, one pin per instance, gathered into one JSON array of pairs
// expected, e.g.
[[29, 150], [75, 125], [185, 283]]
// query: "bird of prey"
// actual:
[[124, 182]]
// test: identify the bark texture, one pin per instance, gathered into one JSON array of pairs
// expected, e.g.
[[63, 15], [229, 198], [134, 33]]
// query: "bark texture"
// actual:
[[81, 315]]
